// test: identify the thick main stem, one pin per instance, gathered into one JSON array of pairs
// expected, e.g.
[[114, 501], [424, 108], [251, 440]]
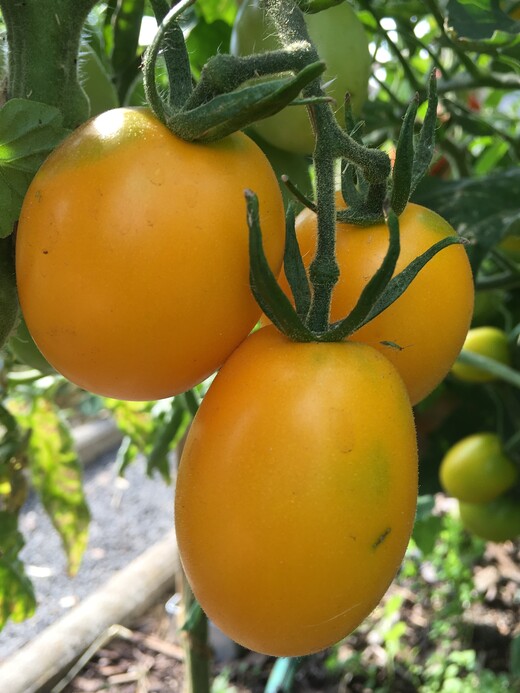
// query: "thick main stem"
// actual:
[[43, 38]]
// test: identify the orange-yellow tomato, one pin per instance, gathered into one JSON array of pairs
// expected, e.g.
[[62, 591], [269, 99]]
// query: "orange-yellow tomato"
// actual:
[[423, 331], [296, 491], [132, 254]]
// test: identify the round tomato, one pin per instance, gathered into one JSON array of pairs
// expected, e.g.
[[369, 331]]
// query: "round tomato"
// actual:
[[341, 43], [22, 346], [486, 341], [296, 491], [495, 521], [132, 254], [423, 331], [477, 470]]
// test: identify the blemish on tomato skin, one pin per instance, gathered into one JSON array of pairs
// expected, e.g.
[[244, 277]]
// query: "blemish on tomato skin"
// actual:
[[381, 538]]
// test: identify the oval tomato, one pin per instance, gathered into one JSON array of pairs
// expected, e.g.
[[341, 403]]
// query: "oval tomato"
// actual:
[[477, 470], [132, 254], [495, 521], [423, 331], [486, 341], [341, 43], [296, 491]]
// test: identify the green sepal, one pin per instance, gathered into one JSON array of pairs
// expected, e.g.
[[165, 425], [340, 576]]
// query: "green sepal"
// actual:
[[227, 113], [398, 285], [349, 190], [264, 285], [373, 290], [404, 159], [294, 267], [426, 141]]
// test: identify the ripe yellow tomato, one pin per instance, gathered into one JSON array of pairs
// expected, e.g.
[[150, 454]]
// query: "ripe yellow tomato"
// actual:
[[423, 331], [132, 254], [296, 491], [476, 469]]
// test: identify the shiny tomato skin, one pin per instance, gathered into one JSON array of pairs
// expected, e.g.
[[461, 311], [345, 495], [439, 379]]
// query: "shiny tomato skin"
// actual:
[[132, 254], [423, 331], [342, 44], [296, 491], [476, 469]]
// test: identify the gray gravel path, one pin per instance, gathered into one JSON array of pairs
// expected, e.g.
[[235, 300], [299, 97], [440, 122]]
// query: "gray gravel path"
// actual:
[[128, 516]]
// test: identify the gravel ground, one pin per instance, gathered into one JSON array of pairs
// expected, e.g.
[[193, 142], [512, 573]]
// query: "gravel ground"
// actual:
[[128, 516]]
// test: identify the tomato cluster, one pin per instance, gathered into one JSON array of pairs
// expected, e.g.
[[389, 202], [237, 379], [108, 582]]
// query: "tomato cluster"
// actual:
[[482, 476]]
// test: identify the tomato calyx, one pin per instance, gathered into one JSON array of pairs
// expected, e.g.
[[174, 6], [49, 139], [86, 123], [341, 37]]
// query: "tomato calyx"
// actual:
[[380, 292], [222, 103]]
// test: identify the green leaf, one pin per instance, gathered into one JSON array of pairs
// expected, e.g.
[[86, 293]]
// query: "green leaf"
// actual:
[[166, 434], [17, 600], [205, 40], [477, 19], [213, 10], [29, 131], [56, 475], [482, 209]]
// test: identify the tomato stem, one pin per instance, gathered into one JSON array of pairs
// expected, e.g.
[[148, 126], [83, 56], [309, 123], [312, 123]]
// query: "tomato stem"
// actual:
[[50, 28]]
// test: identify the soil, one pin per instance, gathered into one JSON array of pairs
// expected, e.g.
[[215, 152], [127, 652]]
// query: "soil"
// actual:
[[148, 658]]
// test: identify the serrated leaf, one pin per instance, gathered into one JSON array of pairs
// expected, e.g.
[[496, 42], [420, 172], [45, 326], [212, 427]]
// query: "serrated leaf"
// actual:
[[29, 131], [56, 475], [17, 600]]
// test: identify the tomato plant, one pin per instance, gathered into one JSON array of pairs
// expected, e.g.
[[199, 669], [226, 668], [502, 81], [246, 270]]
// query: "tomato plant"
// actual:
[[296, 491], [423, 331], [8, 298], [498, 520], [342, 44], [477, 470], [486, 341], [132, 254]]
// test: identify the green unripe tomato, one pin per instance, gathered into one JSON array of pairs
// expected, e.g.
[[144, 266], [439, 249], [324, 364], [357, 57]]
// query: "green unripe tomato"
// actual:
[[486, 341], [8, 295], [476, 469], [341, 43], [495, 521]]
